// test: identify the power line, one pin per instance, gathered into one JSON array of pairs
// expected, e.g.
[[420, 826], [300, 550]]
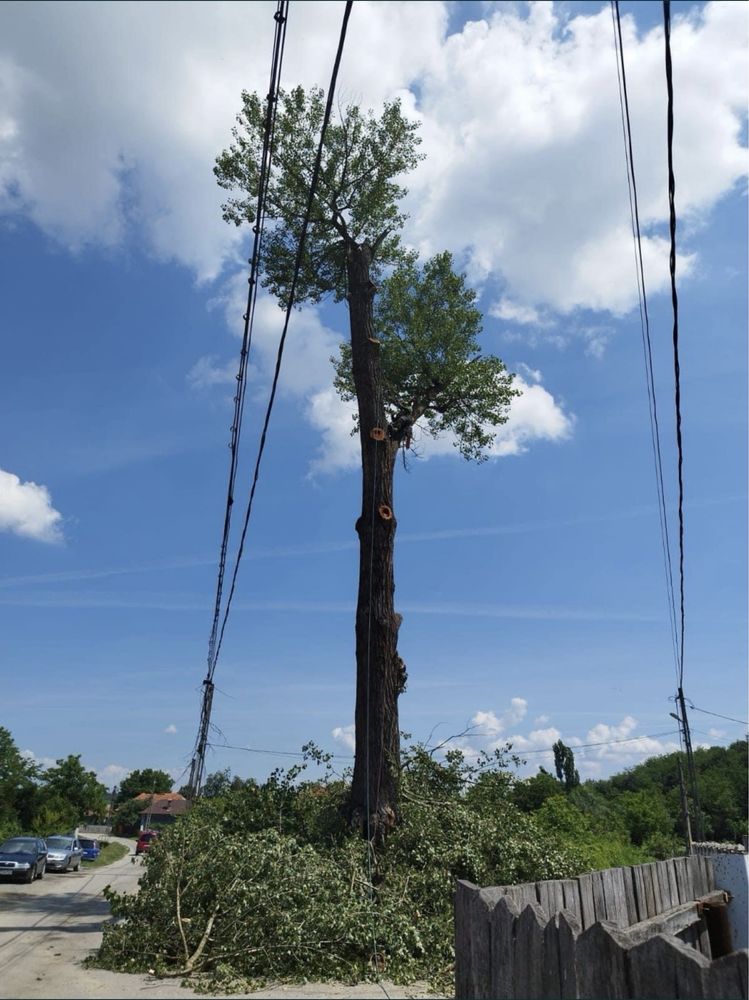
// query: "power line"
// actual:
[[279, 40], [289, 307], [274, 85], [675, 306], [273, 753], [728, 718], [655, 436], [334, 756]]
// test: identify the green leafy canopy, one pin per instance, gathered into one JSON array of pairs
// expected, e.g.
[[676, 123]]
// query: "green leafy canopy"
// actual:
[[432, 367], [357, 194]]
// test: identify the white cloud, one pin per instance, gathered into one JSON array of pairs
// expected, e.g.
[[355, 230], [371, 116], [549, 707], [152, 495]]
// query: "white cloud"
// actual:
[[112, 774], [26, 509], [171, 729], [522, 130], [44, 762], [113, 116], [206, 373], [616, 745], [346, 735], [534, 416], [492, 724], [334, 418], [516, 313]]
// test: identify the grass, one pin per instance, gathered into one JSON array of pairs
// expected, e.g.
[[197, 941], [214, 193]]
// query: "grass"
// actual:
[[110, 852]]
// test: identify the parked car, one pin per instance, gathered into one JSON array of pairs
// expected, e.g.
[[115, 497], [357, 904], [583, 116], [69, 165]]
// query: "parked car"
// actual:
[[91, 848], [63, 853], [146, 841], [23, 858]]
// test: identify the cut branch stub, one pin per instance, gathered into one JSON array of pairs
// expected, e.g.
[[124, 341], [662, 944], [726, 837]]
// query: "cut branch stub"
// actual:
[[377, 433], [373, 340], [385, 512]]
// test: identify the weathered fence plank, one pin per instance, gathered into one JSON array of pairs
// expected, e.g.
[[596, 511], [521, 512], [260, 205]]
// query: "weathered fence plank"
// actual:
[[601, 961], [551, 896], [552, 984], [609, 934], [665, 968], [529, 953], [587, 905], [473, 907], [727, 977], [569, 931], [571, 894], [502, 933]]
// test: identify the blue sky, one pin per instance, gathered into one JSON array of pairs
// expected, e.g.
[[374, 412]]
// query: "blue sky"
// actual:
[[532, 586]]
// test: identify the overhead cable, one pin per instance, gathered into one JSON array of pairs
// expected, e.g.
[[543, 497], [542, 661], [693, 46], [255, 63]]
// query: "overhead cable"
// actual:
[[289, 307], [335, 756], [655, 436], [279, 40], [728, 718], [675, 308]]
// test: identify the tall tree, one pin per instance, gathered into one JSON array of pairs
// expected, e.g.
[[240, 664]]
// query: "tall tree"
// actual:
[[146, 780], [70, 783], [564, 763], [419, 359], [18, 786]]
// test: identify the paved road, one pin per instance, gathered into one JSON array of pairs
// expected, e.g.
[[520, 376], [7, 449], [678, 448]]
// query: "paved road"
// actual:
[[47, 929]]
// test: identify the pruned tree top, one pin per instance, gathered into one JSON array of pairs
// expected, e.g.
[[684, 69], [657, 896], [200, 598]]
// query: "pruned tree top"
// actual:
[[433, 370], [357, 195]]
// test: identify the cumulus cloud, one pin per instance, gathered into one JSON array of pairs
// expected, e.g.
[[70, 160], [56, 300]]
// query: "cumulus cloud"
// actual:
[[113, 118], [26, 509], [522, 129], [171, 729], [113, 115], [43, 762], [604, 748], [492, 724], [206, 373], [534, 416], [345, 735], [112, 774]]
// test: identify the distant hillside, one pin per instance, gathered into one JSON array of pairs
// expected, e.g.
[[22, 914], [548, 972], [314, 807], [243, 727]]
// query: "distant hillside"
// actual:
[[722, 781]]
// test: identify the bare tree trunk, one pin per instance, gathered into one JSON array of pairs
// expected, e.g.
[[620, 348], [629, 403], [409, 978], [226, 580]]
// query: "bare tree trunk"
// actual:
[[380, 673]]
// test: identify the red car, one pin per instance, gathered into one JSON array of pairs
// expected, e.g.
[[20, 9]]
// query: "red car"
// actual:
[[145, 841]]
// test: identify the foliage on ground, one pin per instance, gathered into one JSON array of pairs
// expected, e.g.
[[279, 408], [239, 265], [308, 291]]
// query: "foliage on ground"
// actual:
[[266, 882], [110, 851], [263, 881]]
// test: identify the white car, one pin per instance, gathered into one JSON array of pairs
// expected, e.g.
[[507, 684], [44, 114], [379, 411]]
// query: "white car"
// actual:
[[63, 854]]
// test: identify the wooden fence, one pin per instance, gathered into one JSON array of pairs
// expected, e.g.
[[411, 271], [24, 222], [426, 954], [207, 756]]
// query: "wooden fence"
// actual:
[[621, 933]]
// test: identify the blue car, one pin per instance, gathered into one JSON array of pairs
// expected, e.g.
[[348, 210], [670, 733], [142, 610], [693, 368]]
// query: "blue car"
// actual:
[[91, 849], [23, 858]]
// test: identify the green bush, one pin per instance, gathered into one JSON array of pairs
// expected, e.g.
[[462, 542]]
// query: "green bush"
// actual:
[[267, 882]]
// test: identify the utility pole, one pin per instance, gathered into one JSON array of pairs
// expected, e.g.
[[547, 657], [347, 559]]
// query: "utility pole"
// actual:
[[198, 761], [685, 809], [683, 721]]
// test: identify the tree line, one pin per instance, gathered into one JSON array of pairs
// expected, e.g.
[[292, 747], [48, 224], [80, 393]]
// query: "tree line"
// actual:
[[40, 801]]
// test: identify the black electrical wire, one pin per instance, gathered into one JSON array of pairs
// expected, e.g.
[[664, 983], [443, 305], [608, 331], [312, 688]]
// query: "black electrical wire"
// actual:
[[335, 756], [289, 307], [655, 436], [728, 718], [274, 85], [675, 306]]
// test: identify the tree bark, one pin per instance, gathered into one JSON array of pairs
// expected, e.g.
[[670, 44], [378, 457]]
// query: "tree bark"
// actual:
[[380, 673]]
